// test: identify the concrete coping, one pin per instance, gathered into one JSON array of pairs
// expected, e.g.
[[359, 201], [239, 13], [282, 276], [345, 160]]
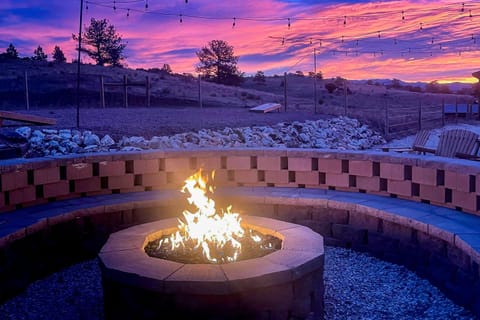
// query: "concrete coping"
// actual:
[[124, 260]]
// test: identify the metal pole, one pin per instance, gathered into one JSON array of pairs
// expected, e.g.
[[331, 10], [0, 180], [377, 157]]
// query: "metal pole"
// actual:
[[285, 89], [102, 91], [78, 63], [27, 100], [200, 99], [345, 93], [315, 79], [125, 91]]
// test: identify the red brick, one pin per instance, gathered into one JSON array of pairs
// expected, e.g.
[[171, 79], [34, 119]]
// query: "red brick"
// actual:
[[300, 164], [111, 168], [279, 176], [145, 166], [79, 171], [432, 193], [121, 182], [307, 178], [392, 171], [154, 179], [427, 176], [330, 165], [238, 162], [246, 176], [23, 195], [464, 200], [337, 180], [177, 164], [14, 180], [401, 188], [268, 163], [368, 183], [56, 189], [46, 175], [360, 168], [87, 185]]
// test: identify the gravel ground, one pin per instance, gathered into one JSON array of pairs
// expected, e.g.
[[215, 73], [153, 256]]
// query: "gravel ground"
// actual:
[[357, 286]]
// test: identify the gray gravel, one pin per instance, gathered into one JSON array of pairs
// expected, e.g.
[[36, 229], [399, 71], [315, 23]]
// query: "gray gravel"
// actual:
[[357, 286]]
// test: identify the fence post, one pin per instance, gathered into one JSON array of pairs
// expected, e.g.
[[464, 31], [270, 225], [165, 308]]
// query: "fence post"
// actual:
[[456, 110], [285, 89], [125, 91], [200, 98], [102, 91], [27, 100], [147, 90], [443, 112], [420, 116], [386, 119], [345, 94]]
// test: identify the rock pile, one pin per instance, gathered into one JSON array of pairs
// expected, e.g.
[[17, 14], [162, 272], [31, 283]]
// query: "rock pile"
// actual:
[[338, 133]]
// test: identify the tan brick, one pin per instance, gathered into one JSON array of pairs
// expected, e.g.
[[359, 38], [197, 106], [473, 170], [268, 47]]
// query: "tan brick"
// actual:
[[238, 162], [368, 183], [87, 185], [46, 175], [432, 193], [121, 182], [154, 179], [268, 163], [392, 171], [111, 168], [79, 171], [177, 164], [14, 180], [337, 180], [23, 195], [308, 178], [401, 188], [330, 165], [246, 176], [464, 200], [279, 176], [209, 163], [457, 181], [145, 166], [300, 164], [56, 189], [361, 168], [427, 176]]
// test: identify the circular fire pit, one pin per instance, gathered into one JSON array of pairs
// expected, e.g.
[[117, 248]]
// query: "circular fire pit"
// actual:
[[281, 285]]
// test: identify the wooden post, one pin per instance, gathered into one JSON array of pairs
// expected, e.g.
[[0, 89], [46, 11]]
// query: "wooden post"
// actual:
[[420, 116], [315, 80], [345, 94], [27, 100], [102, 91], [125, 91], [147, 90], [456, 110], [443, 112], [285, 89], [386, 119], [200, 98]]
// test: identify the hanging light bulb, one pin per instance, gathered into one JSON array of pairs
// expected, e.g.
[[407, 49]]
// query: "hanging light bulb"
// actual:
[[343, 40], [421, 25], [86, 5], [146, 4], [344, 21], [470, 13], [234, 22], [289, 24], [403, 16], [128, 13], [379, 35], [186, 1], [181, 18], [283, 41], [432, 40], [463, 7], [114, 6]]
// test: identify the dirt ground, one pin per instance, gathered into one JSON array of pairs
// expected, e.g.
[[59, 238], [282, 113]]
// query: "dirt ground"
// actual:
[[158, 121]]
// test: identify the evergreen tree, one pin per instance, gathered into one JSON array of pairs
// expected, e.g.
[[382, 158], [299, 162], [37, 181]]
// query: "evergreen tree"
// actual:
[[39, 55], [58, 55]]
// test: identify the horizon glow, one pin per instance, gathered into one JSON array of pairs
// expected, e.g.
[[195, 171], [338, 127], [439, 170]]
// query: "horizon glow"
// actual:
[[436, 40]]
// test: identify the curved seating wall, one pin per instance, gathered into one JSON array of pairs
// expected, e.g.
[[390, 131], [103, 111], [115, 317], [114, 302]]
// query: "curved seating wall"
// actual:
[[385, 209]]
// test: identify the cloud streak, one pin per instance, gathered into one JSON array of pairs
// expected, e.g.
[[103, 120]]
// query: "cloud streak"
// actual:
[[409, 40]]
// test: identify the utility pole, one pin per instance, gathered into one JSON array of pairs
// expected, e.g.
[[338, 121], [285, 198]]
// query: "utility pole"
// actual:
[[315, 79], [78, 63]]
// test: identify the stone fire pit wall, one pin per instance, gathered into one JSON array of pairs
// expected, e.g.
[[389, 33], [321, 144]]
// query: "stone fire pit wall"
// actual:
[[303, 186]]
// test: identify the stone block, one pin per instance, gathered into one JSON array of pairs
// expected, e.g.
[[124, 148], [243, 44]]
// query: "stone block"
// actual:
[[330, 215], [330, 165], [87, 185], [246, 176], [379, 244], [14, 180], [427, 176], [368, 183], [46, 175], [280, 176], [397, 231], [348, 233], [23, 195], [393, 171], [457, 181], [307, 177], [337, 180], [238, 162], [431, 244], [268, 163], [361, 168], [121, 182], [362, 221], [465, 200], [56, 189], [299, 164], [178, 164], [111, 168], [432, 193], [399, 187], [146, 166], [77, 171], [209, 163], [158, 179]]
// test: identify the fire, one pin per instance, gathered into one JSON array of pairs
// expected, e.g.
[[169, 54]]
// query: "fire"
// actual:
[[216, 234]]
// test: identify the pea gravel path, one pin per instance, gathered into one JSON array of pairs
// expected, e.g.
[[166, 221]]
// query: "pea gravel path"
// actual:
[[357, 286]]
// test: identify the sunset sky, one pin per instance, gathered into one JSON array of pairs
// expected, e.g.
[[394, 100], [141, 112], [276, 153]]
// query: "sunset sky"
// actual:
[[408, 40]]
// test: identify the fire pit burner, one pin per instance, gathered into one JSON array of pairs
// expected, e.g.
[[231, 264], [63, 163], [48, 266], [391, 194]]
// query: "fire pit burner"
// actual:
[[281, 285]]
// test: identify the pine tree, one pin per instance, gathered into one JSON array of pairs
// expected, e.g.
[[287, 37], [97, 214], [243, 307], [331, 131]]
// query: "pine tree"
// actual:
[[58, 55], [39, 55]]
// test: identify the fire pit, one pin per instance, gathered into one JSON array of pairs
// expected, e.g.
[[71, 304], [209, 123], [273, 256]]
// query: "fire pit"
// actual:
[[279, 285]]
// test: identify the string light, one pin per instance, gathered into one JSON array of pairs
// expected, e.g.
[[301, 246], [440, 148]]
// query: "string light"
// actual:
[[379, 36], [463, 7], [234, 22], [344, 21], [128, 13], [114, 6], [343, 40], [421, 25], [403, 16], [470, 14], [146, 4], [181, 18], [283, 41], [289, 24]]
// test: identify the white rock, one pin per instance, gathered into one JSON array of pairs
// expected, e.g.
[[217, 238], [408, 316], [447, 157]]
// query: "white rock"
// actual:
[[107, 141], [91, 139], [25, 132]]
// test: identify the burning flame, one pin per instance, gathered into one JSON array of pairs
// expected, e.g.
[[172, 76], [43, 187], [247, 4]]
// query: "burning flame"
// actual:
[[206, 228]]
